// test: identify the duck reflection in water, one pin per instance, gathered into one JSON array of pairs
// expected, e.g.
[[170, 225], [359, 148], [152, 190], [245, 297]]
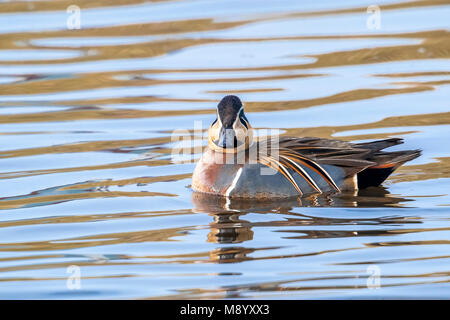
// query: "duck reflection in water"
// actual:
[[228, 227]]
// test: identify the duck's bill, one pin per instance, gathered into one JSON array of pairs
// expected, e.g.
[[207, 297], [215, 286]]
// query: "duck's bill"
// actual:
[[227, 139]]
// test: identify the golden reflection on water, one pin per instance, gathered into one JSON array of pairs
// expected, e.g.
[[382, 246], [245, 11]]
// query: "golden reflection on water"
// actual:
[[87, 176]]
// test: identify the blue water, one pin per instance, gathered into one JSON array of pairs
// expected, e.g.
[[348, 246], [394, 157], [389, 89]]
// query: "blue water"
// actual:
[[94, 206]]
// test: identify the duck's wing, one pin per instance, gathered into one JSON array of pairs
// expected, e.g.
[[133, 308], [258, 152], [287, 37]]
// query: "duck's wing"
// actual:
[[367, 160], [379, 144], [321, 144], [295, 154], [318, 148], [327, 151], [350, 161]]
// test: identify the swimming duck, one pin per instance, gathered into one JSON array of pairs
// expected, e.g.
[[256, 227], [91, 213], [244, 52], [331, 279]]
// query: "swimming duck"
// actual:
[[238, 165]]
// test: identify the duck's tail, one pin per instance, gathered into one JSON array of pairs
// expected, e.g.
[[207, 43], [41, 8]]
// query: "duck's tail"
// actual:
[[386, 162]]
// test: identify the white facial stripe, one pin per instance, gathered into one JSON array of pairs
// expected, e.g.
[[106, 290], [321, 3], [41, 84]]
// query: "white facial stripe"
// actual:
[[218, 118], [238, 118], [244, 123]]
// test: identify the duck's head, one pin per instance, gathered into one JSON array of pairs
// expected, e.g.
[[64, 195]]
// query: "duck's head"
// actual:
[[231, 131]]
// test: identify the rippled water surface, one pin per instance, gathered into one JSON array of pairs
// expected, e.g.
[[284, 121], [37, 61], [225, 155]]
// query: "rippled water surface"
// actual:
[[87, 177]]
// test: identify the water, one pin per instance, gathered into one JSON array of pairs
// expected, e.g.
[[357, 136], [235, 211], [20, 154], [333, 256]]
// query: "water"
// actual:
[[87, 177]]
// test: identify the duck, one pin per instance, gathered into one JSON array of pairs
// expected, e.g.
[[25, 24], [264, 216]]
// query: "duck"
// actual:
[[237, 164]]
